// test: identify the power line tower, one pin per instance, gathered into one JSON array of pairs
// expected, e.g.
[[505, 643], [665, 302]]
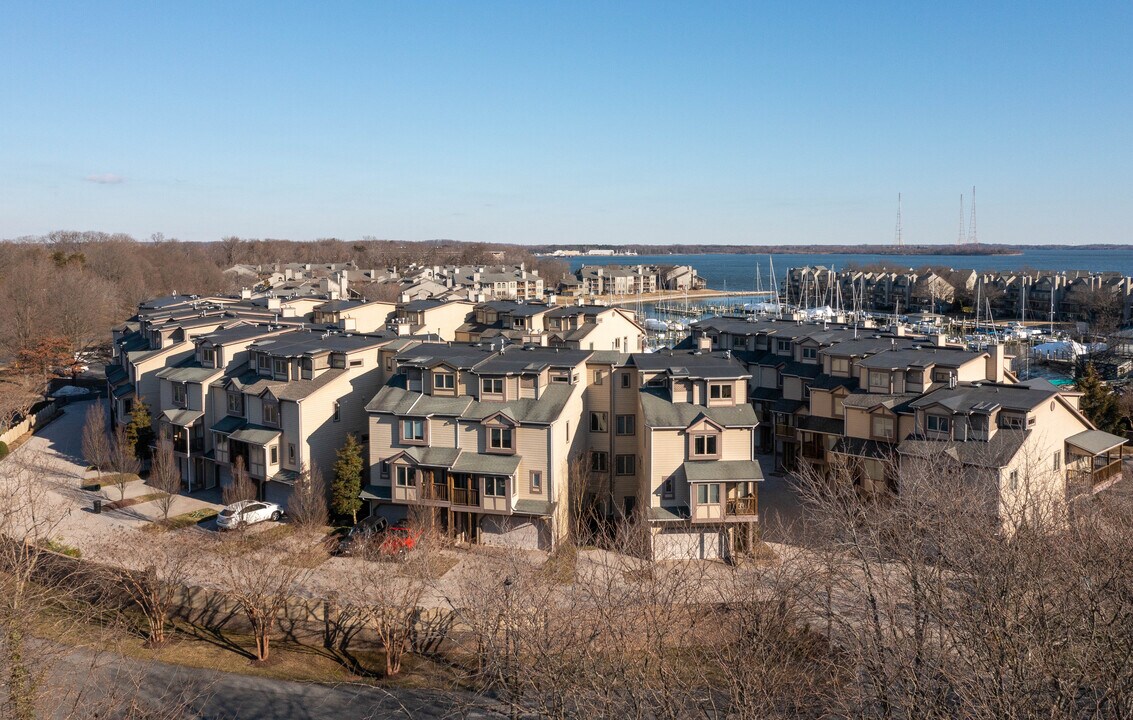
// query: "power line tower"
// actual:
[[900, 240], [972, 237], [961, 239]]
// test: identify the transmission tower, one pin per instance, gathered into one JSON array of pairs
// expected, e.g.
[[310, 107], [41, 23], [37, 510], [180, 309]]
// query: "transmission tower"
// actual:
[[972, 237], [961, 239], [900, 240]]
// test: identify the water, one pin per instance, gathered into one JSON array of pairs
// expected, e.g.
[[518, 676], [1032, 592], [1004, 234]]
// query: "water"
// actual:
[[738, 272]]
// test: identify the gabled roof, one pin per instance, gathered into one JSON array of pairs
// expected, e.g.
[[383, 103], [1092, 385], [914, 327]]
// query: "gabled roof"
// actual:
[[996, 452], [660, 412], [722, 470]]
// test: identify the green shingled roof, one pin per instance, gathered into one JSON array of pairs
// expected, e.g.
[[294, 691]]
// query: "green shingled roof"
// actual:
[[470, 462], [660, 413], [722, 470], [255, 435], [435, 457]]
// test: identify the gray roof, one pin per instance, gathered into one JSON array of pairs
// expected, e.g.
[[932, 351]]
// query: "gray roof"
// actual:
[[669, 513], [660, 412], [726, 470], [919, 356], [376, 492], [183, 418], [684, 363], [973, 397], [229, 424], [529, 360], [251, 382], [123, 390], [255, 434], [308, 342], [545, 410], [869, 400], [470, 462], [1095, 442], [188, 372], [826, 426], [860, 447], [433, 457], [395, 399], [608, 357], [996, 452], [533, 507]]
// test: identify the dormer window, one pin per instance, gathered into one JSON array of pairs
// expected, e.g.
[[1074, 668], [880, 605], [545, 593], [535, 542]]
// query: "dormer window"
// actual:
[[500, 438], [179, 394], [938, 423], [941, 375], [279, 368], [840, 366], [705, 446], [879, 379], [444, 381], [271, 413], [208, 357], [337, 360], [717, 391], [235, 403], [263, 363], [492, 386], [782, 346], [810, 353], [883, 427], [1012, 421]]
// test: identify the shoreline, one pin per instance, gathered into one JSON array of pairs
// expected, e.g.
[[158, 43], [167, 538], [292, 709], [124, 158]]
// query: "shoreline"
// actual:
[[617, 300]]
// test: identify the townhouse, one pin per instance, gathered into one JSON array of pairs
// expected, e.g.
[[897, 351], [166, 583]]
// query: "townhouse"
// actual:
[[594, 327], [353, 315], [440, 317]]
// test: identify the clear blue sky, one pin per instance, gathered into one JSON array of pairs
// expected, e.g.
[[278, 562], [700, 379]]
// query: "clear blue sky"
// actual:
[[564, 122]]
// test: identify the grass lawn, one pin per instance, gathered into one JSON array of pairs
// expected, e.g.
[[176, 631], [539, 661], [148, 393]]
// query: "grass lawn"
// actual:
[[178, 522], [129, 502]]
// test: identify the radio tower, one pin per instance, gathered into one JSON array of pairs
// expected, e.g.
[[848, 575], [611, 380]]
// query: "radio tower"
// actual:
[[972, 237], [961, 238], [900, 241]]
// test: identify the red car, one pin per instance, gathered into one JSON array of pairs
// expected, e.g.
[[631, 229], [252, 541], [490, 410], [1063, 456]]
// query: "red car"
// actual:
[[398, 540]]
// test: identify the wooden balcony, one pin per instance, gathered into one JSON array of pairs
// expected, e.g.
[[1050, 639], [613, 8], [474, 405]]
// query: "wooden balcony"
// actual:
[[742, 506], [435, 491], [1093, 477], [467, 497], [813, 450]]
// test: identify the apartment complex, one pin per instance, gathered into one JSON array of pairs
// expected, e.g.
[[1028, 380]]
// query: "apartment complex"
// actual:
[[630, 280]]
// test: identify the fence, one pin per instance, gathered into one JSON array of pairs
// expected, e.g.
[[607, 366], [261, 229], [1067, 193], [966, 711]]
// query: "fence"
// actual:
[[36, 419]]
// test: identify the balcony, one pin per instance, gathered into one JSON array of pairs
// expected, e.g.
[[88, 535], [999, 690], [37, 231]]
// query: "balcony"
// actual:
[[785, 431], [814, 450], [742, 506], [434, 491], [1093, 477], [466, 497]]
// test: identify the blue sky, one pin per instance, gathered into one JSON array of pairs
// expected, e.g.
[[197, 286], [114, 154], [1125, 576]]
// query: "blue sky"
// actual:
[[653, 122]]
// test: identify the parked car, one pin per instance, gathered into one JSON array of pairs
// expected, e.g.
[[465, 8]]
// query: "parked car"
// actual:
[[399, 540], [247, 512], [363, 537]]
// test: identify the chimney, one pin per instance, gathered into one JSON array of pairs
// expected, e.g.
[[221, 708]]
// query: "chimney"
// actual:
[[995, 360], [245, 294], [940, 338], [273, 303], [704, 343]]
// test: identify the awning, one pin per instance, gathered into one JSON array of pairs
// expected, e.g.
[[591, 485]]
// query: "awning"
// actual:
[[533, 507], [483, 464], [285, 477], [433, 457], [722, 471], [183, 418], [123, 390], [229, 424], [376, 492], [255, 435], [668, 514], [1095, 442]]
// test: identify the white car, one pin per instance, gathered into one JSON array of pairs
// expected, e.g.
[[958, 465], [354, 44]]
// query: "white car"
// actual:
[[247, 512]]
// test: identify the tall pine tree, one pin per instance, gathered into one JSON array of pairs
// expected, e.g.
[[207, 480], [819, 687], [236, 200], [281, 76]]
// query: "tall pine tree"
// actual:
[[347, 483], [139, 433], [1099, 402]]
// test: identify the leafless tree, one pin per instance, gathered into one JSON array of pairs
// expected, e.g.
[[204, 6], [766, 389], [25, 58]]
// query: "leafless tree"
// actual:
[[241, 488], [96, 438], [123, 461], [261, 584], [390, 604], [307, 505], [154, 578], [164, 476]]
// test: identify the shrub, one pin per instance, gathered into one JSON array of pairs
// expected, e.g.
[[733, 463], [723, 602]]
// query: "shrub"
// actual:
[[3, 449]]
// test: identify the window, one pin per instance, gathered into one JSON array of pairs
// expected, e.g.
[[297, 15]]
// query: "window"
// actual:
[[940, 375], [625, 379], [444, 381], [560, 377], [495, 486], [413, 431], [271, 413], [806, 391], [208, 357], [936, 423], [882, 426], [598, 422], [720, 392], [383, 470], [705, 444], [492, 386], [625, 464], [1012, 422], [878, 378], [536, 481], [389, 363], [1014, 479], [708, 494], [355, 363], [600, 461], [291, 452], [667, 488], [263, 362], [306, 368], [236, 404], [739, 342], [274, 454], [406, 476], [783, 346], [337, 360], [337, 412], [1057, 459], [499, 438], [597, 377], [279, 367], [840, 365], [810, 353], [179, 394], [627, 425]]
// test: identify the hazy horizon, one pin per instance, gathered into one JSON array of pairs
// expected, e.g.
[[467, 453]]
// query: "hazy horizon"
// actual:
[[587, 123]]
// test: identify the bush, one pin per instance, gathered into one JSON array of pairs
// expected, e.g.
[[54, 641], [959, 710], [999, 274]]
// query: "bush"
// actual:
[[3, 449]]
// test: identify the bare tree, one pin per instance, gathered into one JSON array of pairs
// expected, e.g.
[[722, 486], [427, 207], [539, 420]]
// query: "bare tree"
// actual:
[[123, 461], [96, 438], [154, 578], [164, 475], [241, 488], [260, 583], [307, 505], [391, 605]]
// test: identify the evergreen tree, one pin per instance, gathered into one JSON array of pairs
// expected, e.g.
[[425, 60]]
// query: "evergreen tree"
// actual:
[[139, 432], [347, 483], [1099, 403]]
